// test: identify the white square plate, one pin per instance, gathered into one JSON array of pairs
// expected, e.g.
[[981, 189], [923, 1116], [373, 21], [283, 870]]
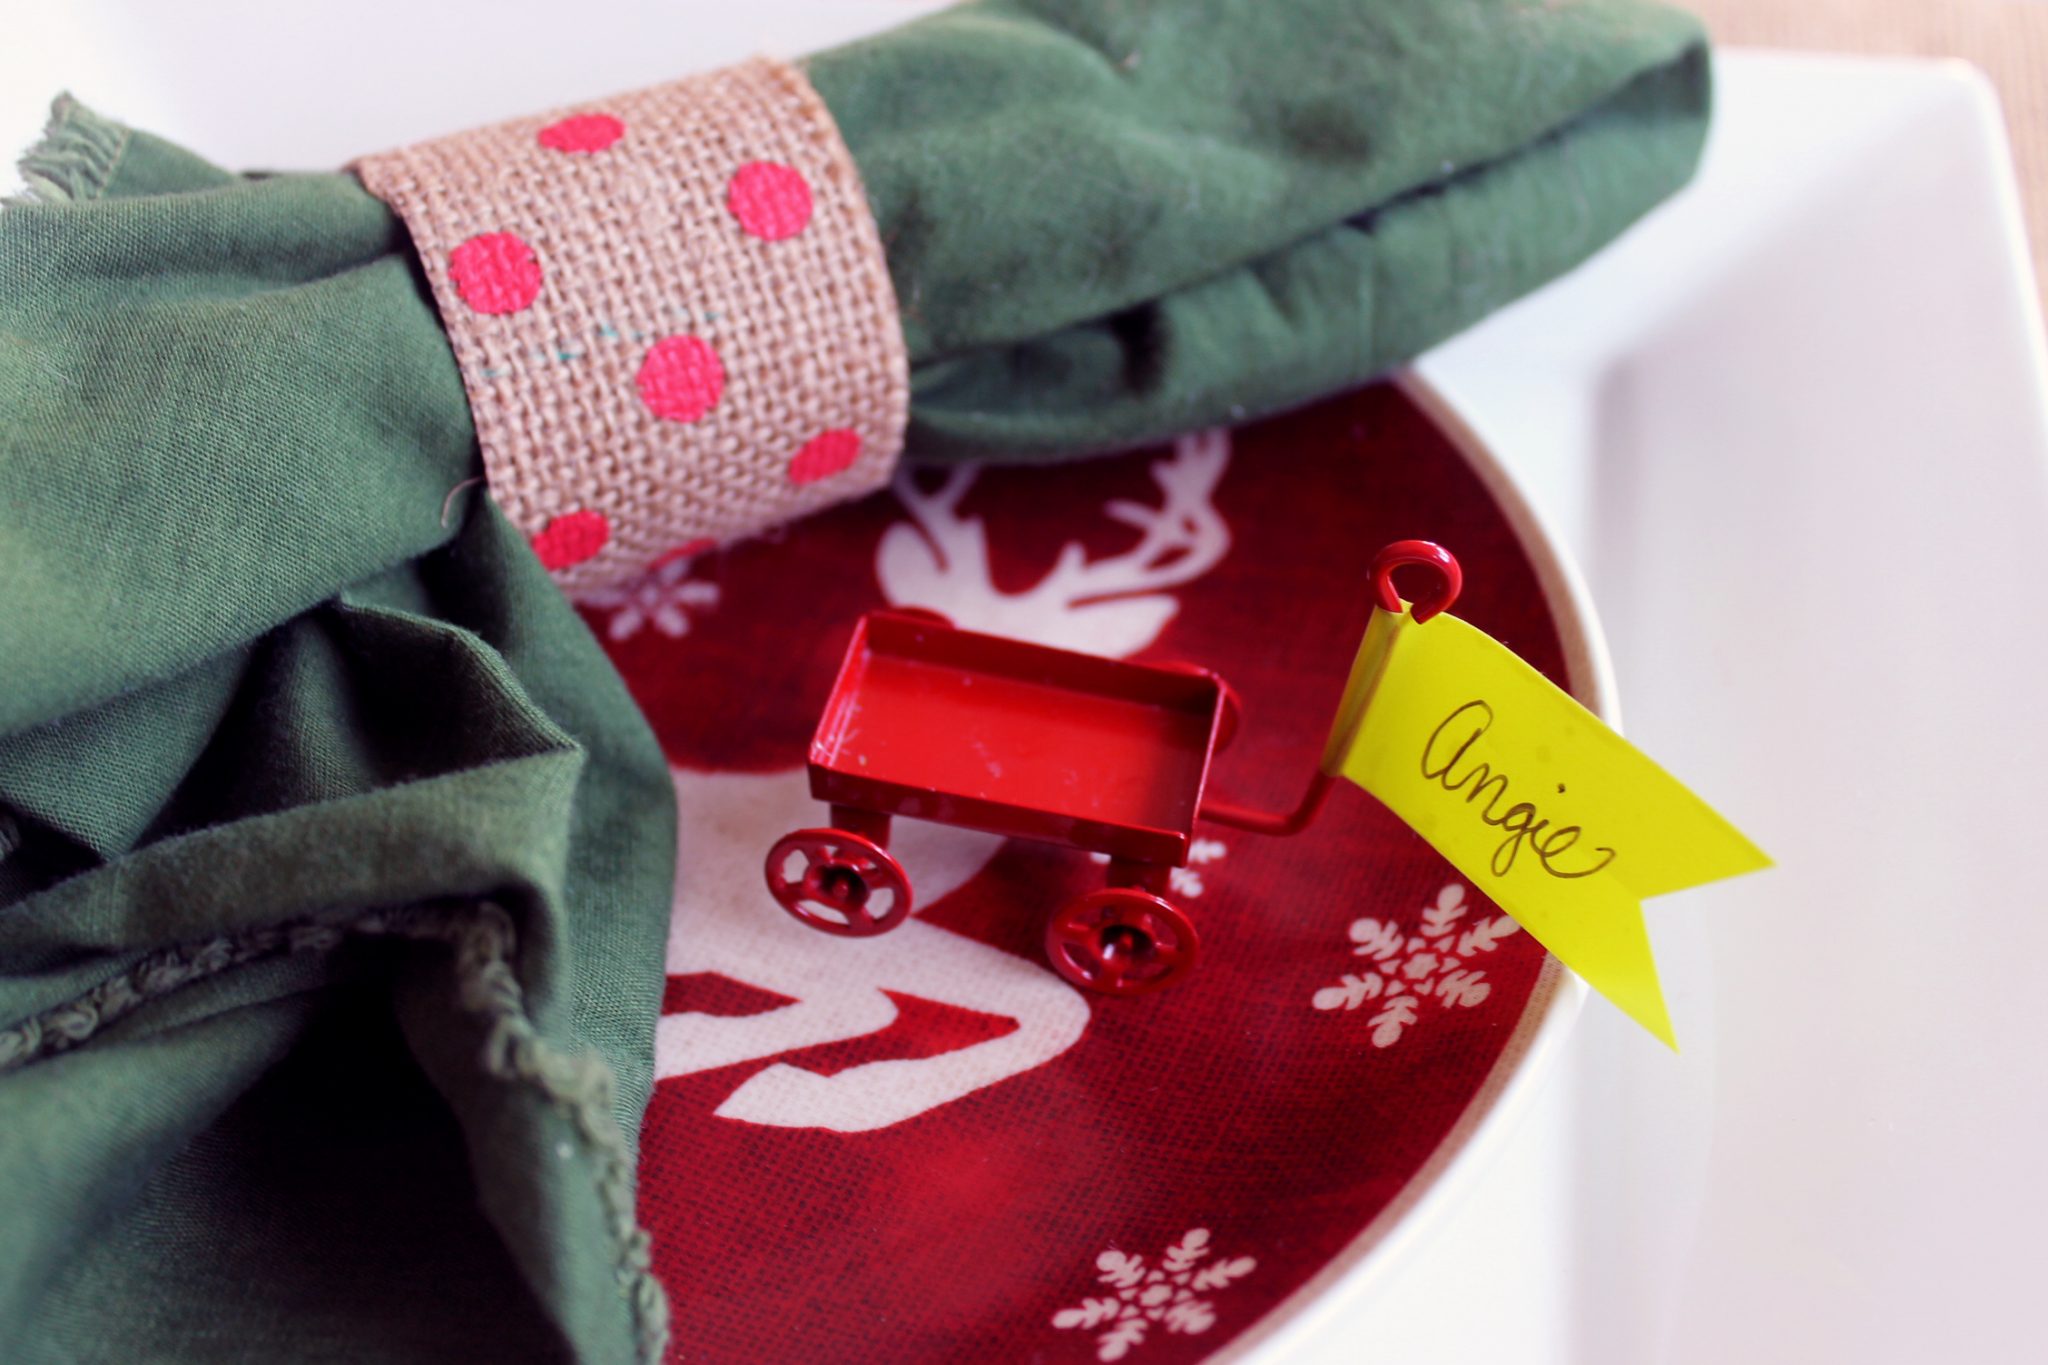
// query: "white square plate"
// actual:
[[1794, 429]]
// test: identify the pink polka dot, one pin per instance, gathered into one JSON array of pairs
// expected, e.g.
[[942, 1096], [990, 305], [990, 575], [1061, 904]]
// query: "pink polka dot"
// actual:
[[495, 272], [681, 379], [582, 133], [770, 199], [824, 455], [688, 550], [572, 538]]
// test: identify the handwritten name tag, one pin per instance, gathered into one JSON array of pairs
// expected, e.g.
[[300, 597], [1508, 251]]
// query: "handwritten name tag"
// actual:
[[1476, 778], [1559, 819]]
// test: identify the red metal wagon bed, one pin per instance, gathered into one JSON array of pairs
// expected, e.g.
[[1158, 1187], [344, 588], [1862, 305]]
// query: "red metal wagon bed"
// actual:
[[1023, 740]]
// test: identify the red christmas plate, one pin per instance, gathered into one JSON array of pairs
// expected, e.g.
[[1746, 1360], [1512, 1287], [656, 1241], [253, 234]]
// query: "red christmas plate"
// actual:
[[925, 1145]]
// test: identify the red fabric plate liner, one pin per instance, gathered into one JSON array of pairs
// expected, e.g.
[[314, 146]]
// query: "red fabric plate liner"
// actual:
[[925, 1145]]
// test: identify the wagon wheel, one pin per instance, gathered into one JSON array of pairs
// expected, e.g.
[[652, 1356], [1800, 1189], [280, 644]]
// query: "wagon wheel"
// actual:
[[837, 881], [1122, 941]]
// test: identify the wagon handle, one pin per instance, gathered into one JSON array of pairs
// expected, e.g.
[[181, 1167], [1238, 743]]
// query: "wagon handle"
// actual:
[[1272, 822], [1447, 580], [1450, 579]]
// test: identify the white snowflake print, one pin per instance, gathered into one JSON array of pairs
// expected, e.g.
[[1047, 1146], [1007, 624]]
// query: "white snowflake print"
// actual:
[[661, 597], [1406, 969], [1187, 881], [1173, 1294]]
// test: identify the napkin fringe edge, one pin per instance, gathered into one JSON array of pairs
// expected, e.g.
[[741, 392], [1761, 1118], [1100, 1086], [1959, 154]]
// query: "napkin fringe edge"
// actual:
[[579, 1086], [74, 158]]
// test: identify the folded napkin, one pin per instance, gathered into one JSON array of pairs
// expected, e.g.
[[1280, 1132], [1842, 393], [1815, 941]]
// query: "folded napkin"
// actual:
[[335, 862]]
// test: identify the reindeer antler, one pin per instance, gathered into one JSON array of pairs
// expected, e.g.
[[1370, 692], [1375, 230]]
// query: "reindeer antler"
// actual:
[[1185, 536], [937, 514], [1113, 604]]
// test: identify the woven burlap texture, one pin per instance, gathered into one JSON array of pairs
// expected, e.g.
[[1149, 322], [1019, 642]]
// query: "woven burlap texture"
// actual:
[[636, 243]]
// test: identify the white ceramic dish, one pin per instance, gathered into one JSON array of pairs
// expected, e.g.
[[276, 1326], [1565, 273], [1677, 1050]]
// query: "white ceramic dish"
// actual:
[[1794, 428]]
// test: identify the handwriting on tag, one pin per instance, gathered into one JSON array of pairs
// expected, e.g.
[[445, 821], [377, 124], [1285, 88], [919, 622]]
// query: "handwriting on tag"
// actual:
[[1561, 821], [1459, 770]]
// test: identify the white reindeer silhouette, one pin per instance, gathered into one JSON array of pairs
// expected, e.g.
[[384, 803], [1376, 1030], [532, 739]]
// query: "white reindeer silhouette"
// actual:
[[724, 921], [1110, 606]]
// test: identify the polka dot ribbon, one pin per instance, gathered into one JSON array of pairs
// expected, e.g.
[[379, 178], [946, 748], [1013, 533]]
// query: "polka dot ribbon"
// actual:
[[671, 312]]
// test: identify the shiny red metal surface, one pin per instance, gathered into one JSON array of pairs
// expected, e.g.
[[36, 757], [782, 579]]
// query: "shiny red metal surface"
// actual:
[[1274, 822], [1448, 580], [1020, 739], [1122, 941], [838, 881]]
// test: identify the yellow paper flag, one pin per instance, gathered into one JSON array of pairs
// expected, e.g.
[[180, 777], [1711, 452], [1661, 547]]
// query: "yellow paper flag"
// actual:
[[1561, 821]]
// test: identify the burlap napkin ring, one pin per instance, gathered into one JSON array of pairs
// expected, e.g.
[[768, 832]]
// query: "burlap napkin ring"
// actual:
[[671, 312]]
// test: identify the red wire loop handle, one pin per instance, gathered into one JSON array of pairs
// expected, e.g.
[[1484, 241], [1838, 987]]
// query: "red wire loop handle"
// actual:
[[1446, 581], [1424, 554]]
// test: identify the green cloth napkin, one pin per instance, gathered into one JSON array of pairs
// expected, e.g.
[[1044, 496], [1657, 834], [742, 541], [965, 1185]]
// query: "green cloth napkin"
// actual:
[[335, 862]]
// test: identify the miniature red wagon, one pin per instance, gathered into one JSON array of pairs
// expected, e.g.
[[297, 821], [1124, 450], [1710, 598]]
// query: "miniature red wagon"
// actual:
[[1019, 739]]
